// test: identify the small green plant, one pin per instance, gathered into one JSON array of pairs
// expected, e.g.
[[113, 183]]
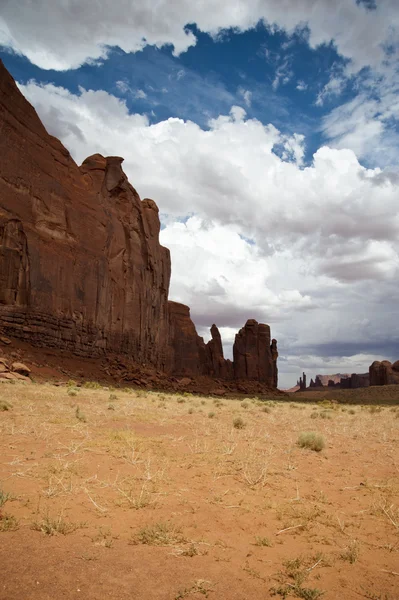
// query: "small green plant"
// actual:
[[262, 541], [238, 423], [201, 586], [50, 526], [79, 415], [297, 571], [211, 415], [297, 591], [266, 409], [180, 400], [4, 497], [103, 538], [351, 552], [72, 392], [8, 522], [113, 397], [111, 407], [4, 405], [159, 534], [313, 441]]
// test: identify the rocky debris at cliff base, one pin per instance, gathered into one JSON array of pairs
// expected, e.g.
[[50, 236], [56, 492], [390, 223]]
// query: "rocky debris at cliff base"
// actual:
[[60, 366], [13, 372]]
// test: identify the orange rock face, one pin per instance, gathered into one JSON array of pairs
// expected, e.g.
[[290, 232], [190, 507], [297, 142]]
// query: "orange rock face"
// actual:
[[81, 266]]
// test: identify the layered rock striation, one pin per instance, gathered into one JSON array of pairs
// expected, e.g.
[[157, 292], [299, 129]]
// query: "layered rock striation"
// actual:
[[81, 266]]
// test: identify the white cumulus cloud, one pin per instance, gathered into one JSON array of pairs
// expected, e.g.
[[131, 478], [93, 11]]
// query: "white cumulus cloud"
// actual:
[[64, 34]]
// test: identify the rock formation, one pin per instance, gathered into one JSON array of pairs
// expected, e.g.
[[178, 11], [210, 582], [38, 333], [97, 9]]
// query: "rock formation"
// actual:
[[356, 380], [323, 380], [81, 266], [384, 373], [255, 354], [302, 382], [13, 371], [217, 365], [340, 381]]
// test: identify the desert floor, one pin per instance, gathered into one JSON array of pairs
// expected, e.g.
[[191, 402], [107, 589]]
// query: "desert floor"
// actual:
[[124, 494]]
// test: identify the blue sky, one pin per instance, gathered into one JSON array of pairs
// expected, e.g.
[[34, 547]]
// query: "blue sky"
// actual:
[[282, 74], [267, 131]]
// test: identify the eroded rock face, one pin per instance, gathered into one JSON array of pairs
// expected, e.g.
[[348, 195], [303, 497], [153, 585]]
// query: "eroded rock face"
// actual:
[[81, 266], [254, 355], [187, 352], [356, 380], [384, 373], [217, 365]]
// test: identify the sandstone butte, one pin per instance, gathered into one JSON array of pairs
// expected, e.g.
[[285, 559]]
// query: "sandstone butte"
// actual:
[[81, 266]]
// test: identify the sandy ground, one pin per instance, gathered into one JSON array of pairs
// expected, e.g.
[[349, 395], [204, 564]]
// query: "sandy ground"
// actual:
[[134, 495]]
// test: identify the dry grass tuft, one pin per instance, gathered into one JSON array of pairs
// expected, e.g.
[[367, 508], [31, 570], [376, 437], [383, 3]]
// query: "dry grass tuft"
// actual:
[[313, 441], [159, 534]]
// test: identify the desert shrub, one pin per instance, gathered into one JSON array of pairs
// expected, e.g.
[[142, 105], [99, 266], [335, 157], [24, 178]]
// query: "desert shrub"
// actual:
[[113, 397], [326, 414], [313, 441], [190, 411], [72, 392], [262, 541], [4, 405], [239, 423], [266, 409], [8, 522], [79, 415], [351, 552], [211, 415], [92, 385], [159, 534], [314, 415], [180, 400], [244, 404], [50, 526]]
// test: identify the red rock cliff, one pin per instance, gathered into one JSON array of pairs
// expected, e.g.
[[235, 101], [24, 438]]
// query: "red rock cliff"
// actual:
[[81, 266], [384, 373], [255, 354]]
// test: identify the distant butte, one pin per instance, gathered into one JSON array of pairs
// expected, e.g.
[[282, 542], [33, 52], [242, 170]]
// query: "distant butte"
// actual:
[[82, 269]]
